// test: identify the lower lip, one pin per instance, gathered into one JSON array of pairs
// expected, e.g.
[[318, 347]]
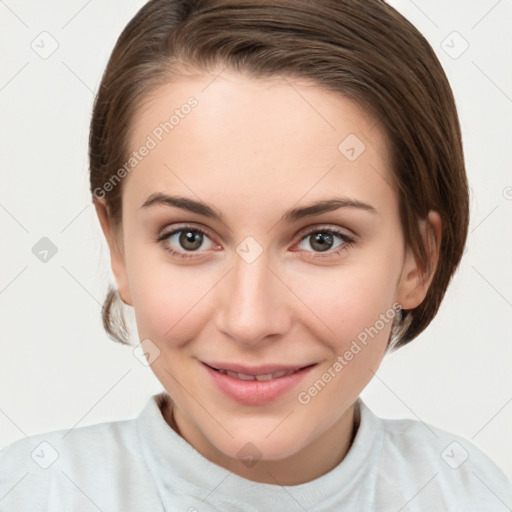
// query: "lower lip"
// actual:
[[254, 392]]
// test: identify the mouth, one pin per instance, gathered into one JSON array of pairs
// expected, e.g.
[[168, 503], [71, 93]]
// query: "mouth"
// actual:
[[256, 386], [260, 373]]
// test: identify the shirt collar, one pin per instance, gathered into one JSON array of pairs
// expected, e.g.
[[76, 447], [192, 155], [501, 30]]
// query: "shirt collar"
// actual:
[[179, 469]]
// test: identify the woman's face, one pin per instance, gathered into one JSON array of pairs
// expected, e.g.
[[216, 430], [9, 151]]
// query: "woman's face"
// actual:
[[261, 280]]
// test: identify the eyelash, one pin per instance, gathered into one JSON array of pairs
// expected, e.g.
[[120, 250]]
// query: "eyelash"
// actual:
[[348, 241]]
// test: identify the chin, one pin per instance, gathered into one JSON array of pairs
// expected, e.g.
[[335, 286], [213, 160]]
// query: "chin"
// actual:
[[255, 444]]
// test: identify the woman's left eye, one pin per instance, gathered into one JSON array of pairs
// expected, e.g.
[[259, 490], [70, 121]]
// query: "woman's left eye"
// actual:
[[323, 241]]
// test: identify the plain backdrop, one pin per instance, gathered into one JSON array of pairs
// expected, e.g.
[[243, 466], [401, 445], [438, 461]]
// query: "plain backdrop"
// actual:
[[58, 368]]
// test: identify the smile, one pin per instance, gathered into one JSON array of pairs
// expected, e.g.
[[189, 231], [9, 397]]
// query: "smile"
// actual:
[[267, 376], [255, 385]]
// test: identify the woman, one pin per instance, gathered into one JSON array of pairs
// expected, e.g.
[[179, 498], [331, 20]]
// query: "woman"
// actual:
[[282, 188]]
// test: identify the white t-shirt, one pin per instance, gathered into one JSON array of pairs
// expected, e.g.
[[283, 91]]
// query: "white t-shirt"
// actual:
[[143, 465]]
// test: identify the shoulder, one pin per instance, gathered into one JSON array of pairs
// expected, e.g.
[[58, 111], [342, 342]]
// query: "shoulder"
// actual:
[[439, 465], [31, 466]]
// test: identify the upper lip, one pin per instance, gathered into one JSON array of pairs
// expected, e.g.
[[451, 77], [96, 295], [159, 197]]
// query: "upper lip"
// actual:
[[255, 370]]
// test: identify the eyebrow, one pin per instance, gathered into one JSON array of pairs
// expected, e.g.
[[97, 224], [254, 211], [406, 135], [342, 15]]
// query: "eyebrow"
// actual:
[[293, 215]]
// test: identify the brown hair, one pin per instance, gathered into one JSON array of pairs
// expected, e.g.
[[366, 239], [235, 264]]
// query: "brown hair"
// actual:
[[362, 49]]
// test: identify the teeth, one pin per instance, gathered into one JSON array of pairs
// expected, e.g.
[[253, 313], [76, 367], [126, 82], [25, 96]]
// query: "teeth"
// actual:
[[241, 376], [268, 376]]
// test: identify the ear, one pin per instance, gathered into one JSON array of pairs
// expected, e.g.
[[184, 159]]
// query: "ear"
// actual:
[[415, 280], [115, 243]]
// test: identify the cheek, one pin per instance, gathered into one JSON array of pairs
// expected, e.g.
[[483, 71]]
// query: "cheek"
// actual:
[[348, 300], [358, 310], [167, 298]]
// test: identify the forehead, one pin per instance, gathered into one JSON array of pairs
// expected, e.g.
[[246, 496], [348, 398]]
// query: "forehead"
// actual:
[[277, 139]]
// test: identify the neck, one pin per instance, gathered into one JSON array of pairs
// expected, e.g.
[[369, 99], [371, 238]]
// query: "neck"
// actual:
[[313, 461]]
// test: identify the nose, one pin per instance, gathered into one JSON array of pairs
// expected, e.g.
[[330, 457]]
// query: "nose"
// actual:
[[253, 307]]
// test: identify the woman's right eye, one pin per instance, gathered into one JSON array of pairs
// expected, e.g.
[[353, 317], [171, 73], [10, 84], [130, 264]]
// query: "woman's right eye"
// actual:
[[187, 239]]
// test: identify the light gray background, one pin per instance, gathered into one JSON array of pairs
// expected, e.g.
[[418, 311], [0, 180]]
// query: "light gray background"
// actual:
[[58, 368]]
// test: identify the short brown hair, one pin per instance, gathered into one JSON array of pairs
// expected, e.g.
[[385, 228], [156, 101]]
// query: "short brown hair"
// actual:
[[362, 49]]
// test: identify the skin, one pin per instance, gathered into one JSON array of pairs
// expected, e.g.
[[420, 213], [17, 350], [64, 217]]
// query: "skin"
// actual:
[[253, 149]]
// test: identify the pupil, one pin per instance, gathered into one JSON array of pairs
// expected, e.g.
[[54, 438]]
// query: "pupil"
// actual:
[[190, 237], [321, 240]]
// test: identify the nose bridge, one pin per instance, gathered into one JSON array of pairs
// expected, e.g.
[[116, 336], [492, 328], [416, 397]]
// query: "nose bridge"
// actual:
[[253, 305]]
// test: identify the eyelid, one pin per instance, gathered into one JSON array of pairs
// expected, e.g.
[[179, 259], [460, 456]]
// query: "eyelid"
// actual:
[[166, 232], [313, 228]]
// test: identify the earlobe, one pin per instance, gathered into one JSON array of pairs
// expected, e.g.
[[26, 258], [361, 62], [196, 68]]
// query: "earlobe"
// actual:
[[416, 279], [117, 259]]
